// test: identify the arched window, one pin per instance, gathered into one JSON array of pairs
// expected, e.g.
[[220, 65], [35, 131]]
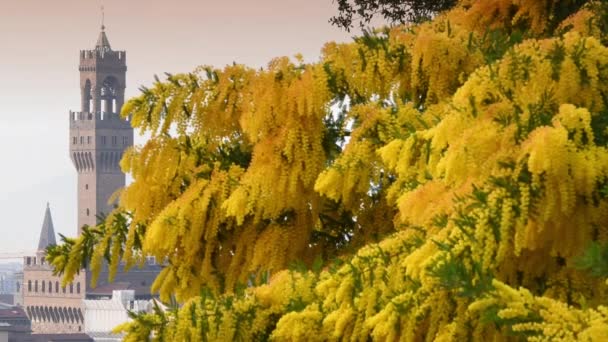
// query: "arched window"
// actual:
[[108, 92], [87, 97], [72, 288], [78, 287], [29, 286], [63, 289], [50, 287], [36, 286], [43, 287], [56, 287]]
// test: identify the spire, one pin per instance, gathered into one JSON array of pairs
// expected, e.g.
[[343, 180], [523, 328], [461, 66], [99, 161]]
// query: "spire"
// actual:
[[103, 44], [47, 234]]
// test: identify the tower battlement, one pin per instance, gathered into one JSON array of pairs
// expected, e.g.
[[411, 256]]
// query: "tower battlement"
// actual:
[[88, 120], [105, 55]]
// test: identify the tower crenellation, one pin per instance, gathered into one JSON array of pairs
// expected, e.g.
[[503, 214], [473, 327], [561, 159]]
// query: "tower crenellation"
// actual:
[[89, 56]]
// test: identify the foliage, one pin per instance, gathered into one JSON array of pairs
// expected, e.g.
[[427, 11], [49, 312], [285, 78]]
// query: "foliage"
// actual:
[[396, 11], [439, 181], [548, 14]]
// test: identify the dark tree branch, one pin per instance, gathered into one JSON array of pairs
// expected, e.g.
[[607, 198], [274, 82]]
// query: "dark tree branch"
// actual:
[[394, 11]]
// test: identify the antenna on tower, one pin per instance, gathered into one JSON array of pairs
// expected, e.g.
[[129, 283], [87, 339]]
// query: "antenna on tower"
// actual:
[[103, 18]]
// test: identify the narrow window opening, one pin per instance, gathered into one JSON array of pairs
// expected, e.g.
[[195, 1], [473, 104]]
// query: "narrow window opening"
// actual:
[[88, 212]]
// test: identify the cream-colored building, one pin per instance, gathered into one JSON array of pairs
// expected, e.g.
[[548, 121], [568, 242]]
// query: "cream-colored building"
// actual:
[[103, 315]]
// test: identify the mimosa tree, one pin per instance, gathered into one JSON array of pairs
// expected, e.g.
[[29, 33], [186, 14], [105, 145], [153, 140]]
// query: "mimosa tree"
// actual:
[[438, 181]]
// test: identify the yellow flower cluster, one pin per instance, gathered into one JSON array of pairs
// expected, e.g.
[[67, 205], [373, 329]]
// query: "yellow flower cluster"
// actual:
[[466, 161], [543, 318]]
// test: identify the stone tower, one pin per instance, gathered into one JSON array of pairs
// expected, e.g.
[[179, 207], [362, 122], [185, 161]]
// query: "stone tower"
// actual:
[[98, 136]]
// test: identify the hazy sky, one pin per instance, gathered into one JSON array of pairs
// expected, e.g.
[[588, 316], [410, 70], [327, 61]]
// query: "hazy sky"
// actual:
[[39, 44]]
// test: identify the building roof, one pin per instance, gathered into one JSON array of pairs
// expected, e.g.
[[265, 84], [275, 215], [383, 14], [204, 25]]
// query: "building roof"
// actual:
[[108, 289], [105, 336], [103, 44], [11, 312], [47, 233], [61, 337], [5, 306], [107, 304]]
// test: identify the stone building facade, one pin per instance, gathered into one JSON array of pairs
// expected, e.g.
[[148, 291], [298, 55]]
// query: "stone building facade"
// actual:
[[51, 307], [98, 139]]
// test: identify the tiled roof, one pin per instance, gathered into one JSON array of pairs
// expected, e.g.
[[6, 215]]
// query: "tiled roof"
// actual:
[[11, 312]]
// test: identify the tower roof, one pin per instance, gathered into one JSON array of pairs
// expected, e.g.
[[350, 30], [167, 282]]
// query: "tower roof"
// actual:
[[47, 233], [103, 44]]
